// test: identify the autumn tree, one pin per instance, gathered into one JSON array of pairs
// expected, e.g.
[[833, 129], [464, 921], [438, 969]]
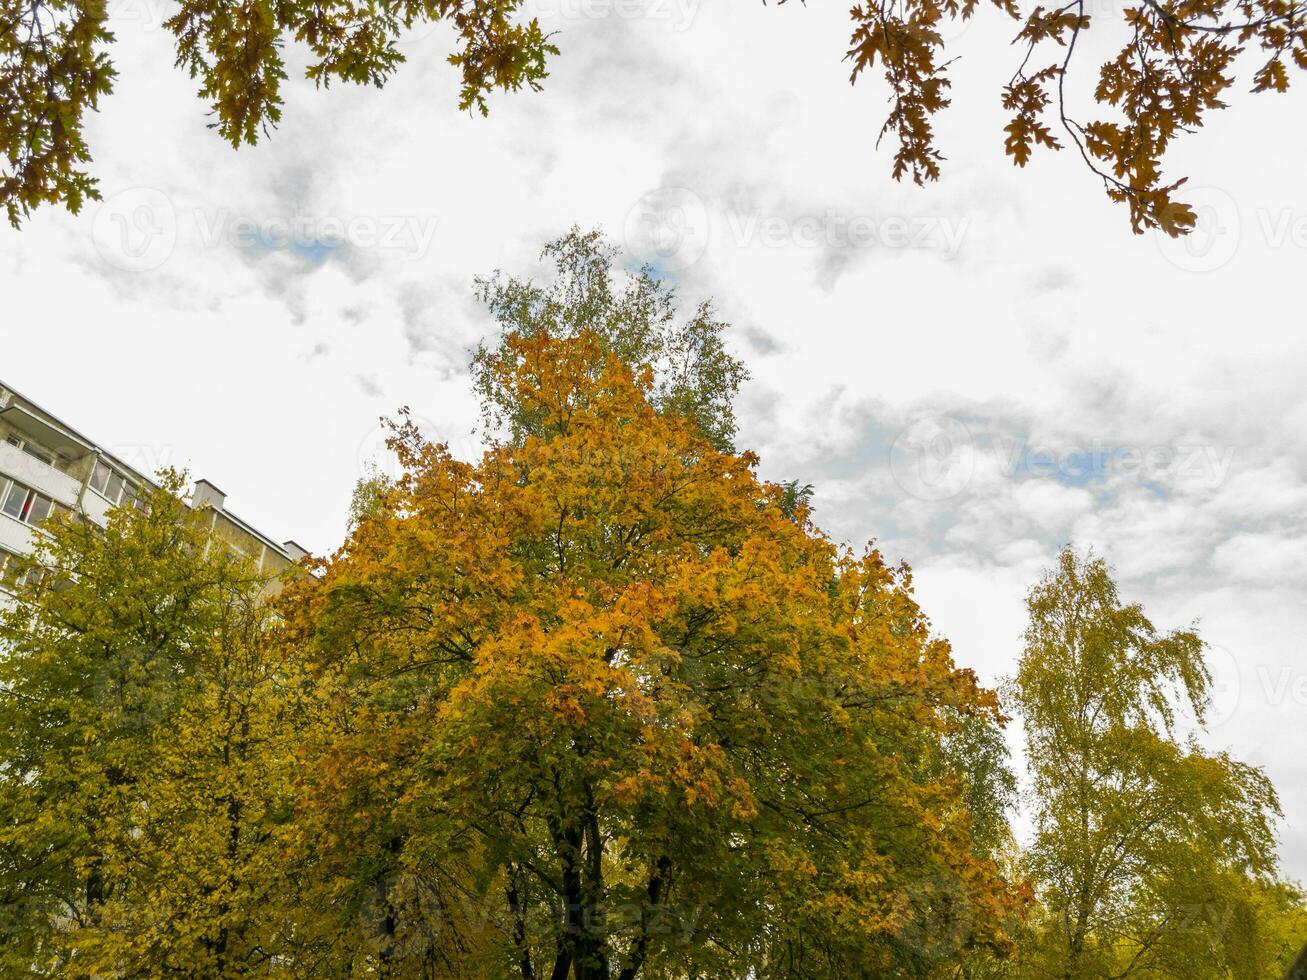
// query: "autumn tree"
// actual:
[[143, 738], [602, 708], [1152, 856], [1177, 62], [635, 316], [55, 67]]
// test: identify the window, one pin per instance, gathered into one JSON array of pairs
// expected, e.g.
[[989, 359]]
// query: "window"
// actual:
[[132, 496], [12, 574], [100, 476], [15, 501], [32, 450], [40, 509], [26, 505], [113, 486]]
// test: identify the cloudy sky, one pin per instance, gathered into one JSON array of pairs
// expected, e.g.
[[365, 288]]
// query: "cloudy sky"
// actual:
[[972, 374]]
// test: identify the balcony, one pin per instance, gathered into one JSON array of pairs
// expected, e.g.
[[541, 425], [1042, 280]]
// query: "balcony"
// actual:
[[96, 508], [40, 476], [15, 536]]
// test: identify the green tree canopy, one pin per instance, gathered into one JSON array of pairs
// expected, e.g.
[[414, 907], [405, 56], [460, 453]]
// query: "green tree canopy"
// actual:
[[635, 316], [142, 754], [1151, 855]]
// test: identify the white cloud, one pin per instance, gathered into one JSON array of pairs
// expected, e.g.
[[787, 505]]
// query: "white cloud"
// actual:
[[1268, 559]]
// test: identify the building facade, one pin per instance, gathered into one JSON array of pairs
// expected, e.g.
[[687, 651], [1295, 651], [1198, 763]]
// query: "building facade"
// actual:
[[47, 468]]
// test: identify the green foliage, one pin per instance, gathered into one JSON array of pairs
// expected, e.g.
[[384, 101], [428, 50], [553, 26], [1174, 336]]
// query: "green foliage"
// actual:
[[600, 704], [635, 316], [139, 728], [796, 499], [368, 498], [977, 750], [1151, 857], [54, 66], [1298, 968]]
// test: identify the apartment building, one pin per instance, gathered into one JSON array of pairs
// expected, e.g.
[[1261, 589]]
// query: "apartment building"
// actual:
[[47, 467]]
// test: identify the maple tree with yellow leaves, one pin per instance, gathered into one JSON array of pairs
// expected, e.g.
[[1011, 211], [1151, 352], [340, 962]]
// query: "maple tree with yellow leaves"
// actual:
[[634, 714], [617, 711]]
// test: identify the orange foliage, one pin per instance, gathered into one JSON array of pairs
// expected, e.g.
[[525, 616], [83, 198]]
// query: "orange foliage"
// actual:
[[601, 669]]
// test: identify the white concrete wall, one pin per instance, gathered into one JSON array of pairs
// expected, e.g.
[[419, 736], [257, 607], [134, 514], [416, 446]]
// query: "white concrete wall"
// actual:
[[41, 477], [96, 507], [16, 536]]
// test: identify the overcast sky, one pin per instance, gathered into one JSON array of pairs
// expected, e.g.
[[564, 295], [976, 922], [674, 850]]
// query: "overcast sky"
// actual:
[[972, 374]]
